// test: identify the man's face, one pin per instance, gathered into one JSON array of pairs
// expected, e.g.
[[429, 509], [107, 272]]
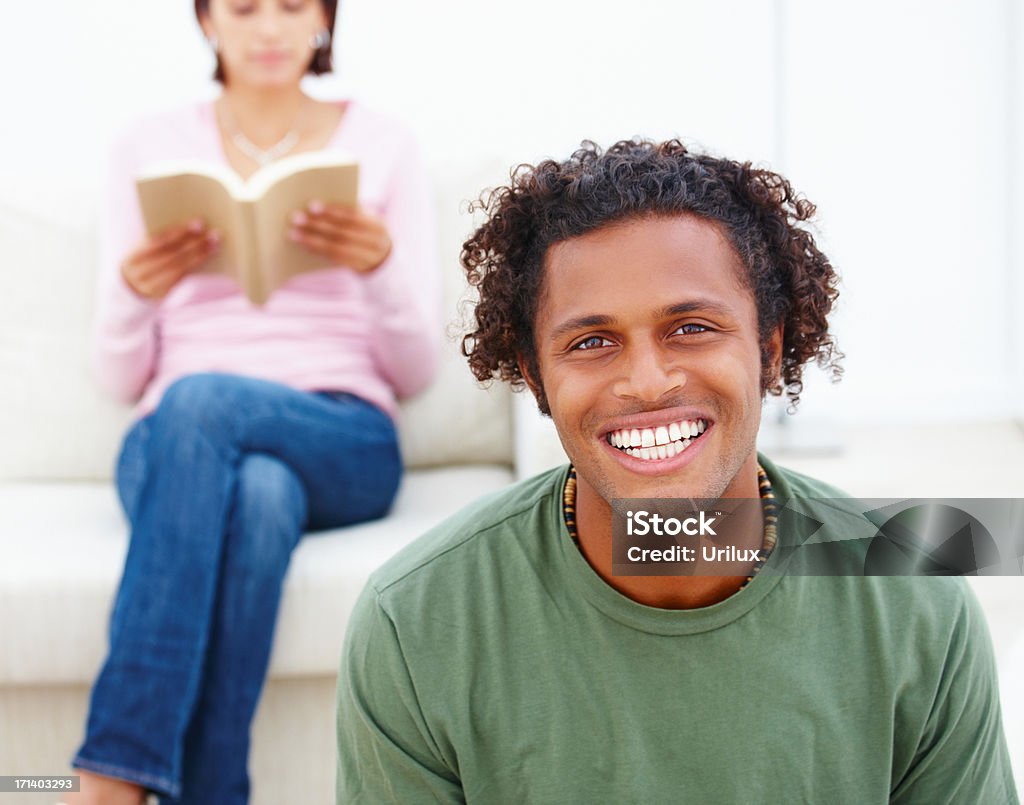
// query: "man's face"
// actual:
[[645, 334]]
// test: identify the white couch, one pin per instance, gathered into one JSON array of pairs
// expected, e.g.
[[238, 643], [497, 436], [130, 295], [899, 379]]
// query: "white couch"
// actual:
[[63, 538]]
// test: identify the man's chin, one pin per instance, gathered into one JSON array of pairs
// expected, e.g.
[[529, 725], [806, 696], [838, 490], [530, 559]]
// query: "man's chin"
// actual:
[[666, 487], [692, 481]]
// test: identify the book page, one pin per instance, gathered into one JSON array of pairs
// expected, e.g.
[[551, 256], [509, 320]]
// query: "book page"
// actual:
[[280, 259], [172, 199]]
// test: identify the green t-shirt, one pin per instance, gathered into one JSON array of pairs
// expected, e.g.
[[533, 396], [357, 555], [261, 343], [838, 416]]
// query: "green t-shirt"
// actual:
[[489, 663]]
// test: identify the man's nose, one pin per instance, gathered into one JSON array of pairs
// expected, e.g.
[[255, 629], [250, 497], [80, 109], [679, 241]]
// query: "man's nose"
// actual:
[[648, 375]]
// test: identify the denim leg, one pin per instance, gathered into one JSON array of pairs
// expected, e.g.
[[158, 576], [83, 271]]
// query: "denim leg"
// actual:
[[131, 466], [141, 701], [266, 522], [185, 511]]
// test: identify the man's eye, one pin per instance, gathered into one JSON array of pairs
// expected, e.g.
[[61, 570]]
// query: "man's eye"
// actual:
[[592, 343], [692, 329]]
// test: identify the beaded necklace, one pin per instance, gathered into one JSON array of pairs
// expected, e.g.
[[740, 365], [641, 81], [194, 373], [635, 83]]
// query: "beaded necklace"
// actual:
[[764, 486]]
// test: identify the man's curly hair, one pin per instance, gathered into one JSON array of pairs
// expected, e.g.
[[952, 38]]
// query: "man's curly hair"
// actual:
[[791, 280]]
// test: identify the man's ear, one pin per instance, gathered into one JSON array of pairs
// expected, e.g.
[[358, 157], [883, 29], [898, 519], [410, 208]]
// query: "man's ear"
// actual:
[[533, 383], [775, 353]]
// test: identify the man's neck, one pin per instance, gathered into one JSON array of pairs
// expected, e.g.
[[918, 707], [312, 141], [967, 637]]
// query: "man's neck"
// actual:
[[594, 524]]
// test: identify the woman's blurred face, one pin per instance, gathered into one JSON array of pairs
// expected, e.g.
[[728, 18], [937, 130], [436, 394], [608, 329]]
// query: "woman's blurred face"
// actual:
[[264, 43]]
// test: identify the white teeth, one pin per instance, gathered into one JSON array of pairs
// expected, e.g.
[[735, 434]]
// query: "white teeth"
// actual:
[[657, 443], [658, 452]]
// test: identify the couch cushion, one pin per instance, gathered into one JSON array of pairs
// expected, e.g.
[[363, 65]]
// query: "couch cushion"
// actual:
[[483, 417], [54, 424], [64, 545], [53, 421]]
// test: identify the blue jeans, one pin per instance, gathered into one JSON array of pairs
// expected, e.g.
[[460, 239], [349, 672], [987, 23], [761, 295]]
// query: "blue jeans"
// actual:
[[218, 484]]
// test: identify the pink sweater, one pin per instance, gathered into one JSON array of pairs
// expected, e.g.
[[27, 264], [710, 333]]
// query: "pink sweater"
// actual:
[[375, 335]]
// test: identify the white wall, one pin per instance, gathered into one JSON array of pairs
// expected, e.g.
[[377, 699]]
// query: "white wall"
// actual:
[[897, 127], [901, 120], [1015, 211]]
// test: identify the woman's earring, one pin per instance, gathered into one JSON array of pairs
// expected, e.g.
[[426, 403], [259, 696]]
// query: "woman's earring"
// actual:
[[320, 39], [214, 44]]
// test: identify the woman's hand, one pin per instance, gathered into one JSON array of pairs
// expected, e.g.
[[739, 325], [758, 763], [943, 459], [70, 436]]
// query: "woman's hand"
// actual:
[[163, 259], [347, 235]]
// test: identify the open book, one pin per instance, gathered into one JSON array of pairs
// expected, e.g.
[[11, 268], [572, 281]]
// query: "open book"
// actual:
[[252, 216]]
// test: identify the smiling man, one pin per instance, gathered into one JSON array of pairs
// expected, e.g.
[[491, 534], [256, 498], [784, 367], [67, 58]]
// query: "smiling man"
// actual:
[[650, 298]]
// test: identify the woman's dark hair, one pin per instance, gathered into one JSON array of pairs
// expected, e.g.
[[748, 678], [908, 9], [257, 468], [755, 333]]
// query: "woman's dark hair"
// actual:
[[321, 61], [793, 283]]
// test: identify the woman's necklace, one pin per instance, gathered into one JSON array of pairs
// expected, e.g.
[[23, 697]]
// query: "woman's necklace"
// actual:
[[261, 156]]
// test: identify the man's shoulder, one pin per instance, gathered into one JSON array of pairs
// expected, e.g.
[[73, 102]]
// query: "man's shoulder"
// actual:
[[481, 523], [796, 484], [851, 538]]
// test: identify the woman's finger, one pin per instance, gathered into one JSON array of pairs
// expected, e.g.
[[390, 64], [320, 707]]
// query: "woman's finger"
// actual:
[[159, 285], [341, 213], [186, 250], [362, 260], [359, 258], [313, 241], [170, 239], [147, 259], [350, 217], [155, 277], [342, 233]]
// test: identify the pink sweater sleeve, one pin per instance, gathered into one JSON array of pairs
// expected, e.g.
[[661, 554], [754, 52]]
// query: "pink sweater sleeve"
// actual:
[[405, 291], [125, 331]]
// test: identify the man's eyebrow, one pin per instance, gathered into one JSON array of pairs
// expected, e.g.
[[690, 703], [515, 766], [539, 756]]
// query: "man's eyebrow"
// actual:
[[599, 320], [580, 323], [699, 306]]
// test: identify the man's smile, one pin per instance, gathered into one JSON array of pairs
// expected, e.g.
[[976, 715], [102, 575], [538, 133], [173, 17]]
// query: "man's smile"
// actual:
[[656, 442], [652, 444]]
